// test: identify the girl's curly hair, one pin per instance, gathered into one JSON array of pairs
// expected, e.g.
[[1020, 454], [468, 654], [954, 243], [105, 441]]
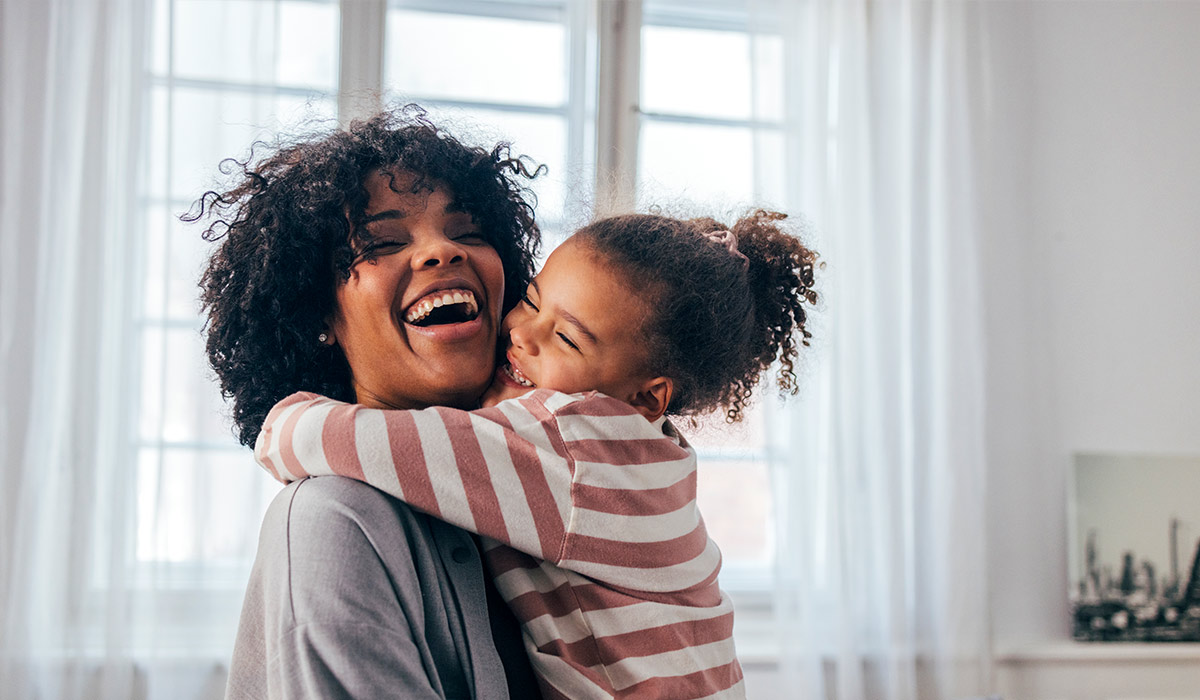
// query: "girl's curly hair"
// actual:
[[289, 228], [716, 322]]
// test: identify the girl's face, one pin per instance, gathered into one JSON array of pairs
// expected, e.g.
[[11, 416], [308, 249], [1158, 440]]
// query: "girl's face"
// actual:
[[579, 328], [418, 317]]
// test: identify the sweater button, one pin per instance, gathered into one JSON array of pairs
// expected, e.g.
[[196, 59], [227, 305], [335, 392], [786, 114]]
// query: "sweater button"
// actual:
[[461, 555]]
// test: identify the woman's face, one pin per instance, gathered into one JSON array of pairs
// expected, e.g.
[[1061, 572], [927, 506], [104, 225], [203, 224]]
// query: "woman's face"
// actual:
[[417, 318]]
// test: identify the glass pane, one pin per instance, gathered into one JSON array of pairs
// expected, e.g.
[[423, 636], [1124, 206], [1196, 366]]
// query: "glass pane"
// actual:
[[768, 77], [432, 54], [199, 505], [770, 173], [735, 501], [709, 167], [711, 432], [309, 39], [181, 401], [286, 42], [160, 50], [541, 137], [208, 126], [159, 146], [175, 256], [697, 72]]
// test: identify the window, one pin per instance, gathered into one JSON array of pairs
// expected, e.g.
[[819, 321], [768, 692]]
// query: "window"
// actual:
[[707, 121], [514, 71], [221, 74], [711, 142]]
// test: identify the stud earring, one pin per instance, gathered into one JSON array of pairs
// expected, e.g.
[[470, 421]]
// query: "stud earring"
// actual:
[[323, 338]]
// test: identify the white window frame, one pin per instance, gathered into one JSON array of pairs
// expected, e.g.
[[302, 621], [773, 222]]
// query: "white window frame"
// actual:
[[612, 31]]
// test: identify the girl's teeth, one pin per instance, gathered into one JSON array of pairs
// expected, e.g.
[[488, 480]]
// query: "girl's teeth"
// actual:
[[517, 376]]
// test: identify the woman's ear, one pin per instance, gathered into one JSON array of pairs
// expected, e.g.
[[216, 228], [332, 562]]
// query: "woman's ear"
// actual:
[[652, 399], [326, 336]]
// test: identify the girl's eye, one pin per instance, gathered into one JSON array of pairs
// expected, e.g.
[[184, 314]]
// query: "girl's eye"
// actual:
[[568, 341], [528, 302]]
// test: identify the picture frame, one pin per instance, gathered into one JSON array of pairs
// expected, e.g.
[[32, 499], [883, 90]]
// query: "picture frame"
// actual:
[[1134, 550]]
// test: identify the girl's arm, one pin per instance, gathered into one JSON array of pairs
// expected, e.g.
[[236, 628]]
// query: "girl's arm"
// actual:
[[505, 472], [502, 472], [582, 480]]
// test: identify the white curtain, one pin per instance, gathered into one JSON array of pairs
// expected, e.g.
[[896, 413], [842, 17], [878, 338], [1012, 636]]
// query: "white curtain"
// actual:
[[124, 548], [70, 117], [881, 588], [70, 111]]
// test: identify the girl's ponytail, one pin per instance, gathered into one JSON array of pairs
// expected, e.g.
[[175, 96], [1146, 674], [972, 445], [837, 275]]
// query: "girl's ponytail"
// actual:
[[780, 280]]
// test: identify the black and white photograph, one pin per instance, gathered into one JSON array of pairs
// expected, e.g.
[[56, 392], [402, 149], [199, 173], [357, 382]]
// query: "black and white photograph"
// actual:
[[1135, 555]]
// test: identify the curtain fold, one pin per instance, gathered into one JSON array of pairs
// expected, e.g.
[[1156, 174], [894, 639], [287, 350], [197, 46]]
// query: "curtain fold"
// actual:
[[881, 587], [70, 113]]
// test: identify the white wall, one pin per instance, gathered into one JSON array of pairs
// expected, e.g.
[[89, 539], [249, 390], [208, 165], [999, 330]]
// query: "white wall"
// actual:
[[1092, 224]]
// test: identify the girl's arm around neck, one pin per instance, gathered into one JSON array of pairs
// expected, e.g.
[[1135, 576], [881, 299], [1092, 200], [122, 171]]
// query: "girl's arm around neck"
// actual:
[[553, 475], [501, 472]]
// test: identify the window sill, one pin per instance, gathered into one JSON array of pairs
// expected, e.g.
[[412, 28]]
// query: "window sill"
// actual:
[[1092, 652]]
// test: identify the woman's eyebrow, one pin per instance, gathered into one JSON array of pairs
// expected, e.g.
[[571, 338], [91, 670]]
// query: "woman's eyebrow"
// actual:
[[384, 215]]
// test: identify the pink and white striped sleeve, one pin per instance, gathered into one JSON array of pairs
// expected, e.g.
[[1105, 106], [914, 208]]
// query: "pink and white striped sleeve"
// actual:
[[502, 472]]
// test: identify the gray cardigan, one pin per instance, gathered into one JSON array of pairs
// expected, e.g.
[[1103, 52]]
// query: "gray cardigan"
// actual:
[[355, 595]]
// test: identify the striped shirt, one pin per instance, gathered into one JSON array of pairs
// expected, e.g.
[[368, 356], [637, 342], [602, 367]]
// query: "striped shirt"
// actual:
[[588, 517]]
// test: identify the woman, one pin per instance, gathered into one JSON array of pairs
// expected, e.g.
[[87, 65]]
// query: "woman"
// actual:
[[353, 594]]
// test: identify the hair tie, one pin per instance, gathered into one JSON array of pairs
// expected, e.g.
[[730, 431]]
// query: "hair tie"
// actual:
[[728, 239]]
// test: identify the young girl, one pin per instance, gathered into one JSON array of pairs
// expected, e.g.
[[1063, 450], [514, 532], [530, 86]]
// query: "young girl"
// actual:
[[585, 494]]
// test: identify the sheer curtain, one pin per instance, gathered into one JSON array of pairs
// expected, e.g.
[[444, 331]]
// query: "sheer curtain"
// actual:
[[70, 113], [881, 587], [77, 618]]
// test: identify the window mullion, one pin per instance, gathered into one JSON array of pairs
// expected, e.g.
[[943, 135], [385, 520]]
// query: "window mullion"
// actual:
[[360, 78], [618, 90], [581, 106]]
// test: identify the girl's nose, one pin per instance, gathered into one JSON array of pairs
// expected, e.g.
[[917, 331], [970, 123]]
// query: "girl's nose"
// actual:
[[521, 336]]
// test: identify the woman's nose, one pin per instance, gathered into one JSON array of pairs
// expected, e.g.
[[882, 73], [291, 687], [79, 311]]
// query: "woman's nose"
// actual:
[[432, 251]]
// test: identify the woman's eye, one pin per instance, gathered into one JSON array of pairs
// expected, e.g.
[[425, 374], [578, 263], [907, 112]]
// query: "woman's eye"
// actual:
[[383, 247], [568, 341], [528, 302], [471, 236]]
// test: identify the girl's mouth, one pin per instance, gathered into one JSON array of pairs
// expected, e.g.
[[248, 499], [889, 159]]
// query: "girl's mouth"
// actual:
[[517, 377]]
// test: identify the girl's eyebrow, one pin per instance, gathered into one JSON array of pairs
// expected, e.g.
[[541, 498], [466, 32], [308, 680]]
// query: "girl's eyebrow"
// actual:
[[582, 328]]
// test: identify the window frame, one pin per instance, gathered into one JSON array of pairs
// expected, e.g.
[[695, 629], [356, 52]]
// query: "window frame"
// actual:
[[601, 33]]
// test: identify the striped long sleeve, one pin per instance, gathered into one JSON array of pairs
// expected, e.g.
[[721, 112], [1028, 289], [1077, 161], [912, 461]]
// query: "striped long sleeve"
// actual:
[[589, 517]]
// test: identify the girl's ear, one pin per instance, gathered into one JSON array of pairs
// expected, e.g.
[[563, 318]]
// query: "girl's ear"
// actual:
[[652, 399]]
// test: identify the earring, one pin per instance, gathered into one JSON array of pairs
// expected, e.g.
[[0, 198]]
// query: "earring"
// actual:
[[324, 337]]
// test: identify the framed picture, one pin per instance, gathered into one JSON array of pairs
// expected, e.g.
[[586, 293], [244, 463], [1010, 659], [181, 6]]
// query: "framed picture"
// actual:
[[1135, 548]]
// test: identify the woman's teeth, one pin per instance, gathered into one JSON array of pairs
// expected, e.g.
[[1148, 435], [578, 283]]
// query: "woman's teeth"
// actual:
[[423, 308], [518, 377]]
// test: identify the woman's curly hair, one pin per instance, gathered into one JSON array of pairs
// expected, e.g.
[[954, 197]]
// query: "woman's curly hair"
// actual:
[[289, 228], [716, 322]]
